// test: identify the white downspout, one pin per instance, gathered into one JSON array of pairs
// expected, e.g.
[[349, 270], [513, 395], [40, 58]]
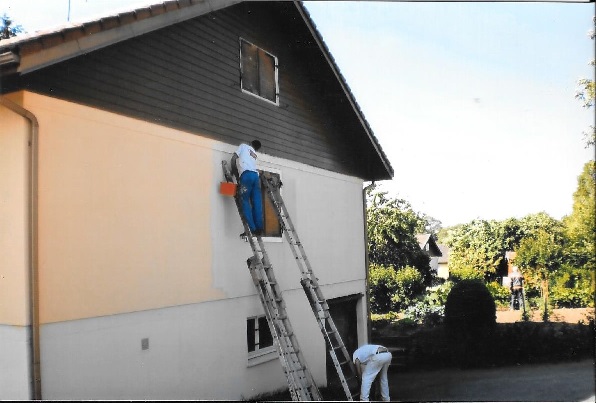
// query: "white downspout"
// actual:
[[33, 248], [366, 263]]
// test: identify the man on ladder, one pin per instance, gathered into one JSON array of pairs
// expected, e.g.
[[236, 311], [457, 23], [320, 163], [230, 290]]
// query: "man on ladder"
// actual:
[[244, 167]]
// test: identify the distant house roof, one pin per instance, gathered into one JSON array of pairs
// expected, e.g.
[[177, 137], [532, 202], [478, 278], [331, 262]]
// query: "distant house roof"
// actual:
[[428, 244], [30, 52], [444, 253]]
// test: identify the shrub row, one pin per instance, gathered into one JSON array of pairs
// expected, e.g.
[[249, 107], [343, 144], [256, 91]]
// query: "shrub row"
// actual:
[[505, 344]]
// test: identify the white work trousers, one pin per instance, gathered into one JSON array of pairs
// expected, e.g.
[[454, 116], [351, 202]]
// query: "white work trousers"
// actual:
[[377, 363]]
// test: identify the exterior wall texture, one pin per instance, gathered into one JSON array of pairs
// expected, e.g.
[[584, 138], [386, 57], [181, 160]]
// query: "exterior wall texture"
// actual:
[[187, 76], [14, 257], [135, 242]]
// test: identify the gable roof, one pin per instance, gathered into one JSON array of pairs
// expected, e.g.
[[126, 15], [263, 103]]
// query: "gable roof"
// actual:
[[28, 53], [428, 239]]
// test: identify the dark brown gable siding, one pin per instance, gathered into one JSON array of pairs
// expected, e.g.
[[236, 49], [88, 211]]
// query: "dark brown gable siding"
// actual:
[[187, 76]]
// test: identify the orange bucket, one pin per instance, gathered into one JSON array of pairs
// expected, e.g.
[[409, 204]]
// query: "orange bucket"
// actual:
[[227, 188]]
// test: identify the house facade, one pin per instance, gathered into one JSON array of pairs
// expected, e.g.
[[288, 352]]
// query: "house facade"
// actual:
[[429, 246], [443, 262], [122, 275]]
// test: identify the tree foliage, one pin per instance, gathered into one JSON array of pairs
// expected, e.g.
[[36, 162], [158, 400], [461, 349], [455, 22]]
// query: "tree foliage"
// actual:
[[585, 94], [476, 247], [540, 256], [392, 226], [7, 27], [383, 285], [580, 225], [557, 256]]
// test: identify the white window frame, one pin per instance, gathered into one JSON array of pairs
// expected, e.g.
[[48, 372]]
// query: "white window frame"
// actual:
[[260, 355], [276, 102]]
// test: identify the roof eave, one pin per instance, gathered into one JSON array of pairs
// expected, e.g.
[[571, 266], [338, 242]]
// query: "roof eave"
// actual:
[[348, 93], [34, 52]]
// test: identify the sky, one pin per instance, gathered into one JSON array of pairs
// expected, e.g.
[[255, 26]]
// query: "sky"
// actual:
[[472, 102]]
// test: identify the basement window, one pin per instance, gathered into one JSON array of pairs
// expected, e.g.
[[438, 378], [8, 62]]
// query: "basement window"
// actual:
[[258, 72], [259, 340]]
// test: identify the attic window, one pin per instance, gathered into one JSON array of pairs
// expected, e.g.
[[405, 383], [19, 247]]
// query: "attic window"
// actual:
[[258, 72]]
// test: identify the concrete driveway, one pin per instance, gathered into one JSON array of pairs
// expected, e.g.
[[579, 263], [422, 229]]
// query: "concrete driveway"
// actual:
[[562, 382]]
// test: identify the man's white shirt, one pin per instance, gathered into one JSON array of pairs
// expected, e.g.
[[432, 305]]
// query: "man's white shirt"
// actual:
[[247, 159]]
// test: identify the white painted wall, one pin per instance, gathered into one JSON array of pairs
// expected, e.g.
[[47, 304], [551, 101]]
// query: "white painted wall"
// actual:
[[15, 363], [197, 340]]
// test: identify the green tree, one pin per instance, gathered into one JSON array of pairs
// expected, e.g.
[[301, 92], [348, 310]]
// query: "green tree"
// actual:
[[539, 256], [476, 247], [383, 285], [585, 94], [7, 29], [580, 225], [392, 226], [409, 287]]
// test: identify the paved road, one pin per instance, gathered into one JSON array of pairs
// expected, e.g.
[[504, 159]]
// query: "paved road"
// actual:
[[563, 382]]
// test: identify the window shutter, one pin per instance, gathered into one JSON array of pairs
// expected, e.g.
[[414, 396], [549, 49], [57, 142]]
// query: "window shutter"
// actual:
[[267, 76], [250, 67]]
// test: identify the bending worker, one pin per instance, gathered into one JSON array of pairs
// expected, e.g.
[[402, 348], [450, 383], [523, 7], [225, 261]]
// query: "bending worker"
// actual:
[[370, 360]]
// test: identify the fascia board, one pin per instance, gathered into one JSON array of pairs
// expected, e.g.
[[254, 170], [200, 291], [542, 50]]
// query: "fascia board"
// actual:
[[86, 44]]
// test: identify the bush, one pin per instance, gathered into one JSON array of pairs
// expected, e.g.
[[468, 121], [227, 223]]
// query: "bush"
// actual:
[[508, 344], [438, 295], [469, 307], [571, 298], [465, 273], [393, 290], [501, 295], [383, 285], [573, 288], [409, 285], [424, 313], [470, 319]]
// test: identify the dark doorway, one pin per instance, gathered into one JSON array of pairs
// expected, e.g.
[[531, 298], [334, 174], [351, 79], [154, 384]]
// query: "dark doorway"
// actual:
[[343, 313]]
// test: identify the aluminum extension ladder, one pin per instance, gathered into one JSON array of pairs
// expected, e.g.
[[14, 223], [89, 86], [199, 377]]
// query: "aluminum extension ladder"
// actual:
[[300, 381], [335, 346]]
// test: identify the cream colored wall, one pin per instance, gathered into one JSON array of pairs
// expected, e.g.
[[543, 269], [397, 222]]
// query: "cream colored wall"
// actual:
[[124, 213], [443, 271], [15, 334], [14, 210]]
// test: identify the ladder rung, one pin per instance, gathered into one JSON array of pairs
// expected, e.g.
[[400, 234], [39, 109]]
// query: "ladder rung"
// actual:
[[344, 362]]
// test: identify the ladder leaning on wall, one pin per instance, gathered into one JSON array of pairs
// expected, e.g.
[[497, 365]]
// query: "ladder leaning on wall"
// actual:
[[300, 381]]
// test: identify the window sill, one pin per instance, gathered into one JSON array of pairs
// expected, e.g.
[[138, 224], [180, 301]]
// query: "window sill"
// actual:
[[262, 356]]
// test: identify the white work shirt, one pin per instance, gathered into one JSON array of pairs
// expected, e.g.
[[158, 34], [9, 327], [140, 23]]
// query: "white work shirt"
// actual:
[[247, 159], [365, 352]]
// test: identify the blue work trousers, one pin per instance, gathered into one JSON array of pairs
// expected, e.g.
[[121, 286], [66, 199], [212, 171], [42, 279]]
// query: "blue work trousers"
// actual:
[[252, 205]]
